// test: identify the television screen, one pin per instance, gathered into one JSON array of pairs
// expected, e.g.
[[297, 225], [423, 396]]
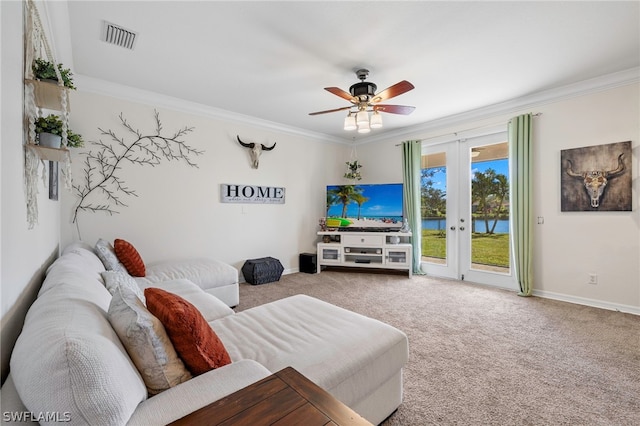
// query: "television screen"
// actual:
[[367, 207]]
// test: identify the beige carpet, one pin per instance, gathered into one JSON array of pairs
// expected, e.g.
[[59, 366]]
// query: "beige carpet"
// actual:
[[481, 356]]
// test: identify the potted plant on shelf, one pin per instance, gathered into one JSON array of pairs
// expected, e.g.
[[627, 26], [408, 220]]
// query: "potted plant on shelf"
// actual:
[[45, 70], [354, 170], [49, 130]]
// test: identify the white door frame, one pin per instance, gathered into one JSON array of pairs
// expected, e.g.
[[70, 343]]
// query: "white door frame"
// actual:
[[458, 229]]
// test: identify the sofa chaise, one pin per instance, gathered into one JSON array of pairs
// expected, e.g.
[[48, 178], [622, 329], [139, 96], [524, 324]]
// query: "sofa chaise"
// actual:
[[69, 363]]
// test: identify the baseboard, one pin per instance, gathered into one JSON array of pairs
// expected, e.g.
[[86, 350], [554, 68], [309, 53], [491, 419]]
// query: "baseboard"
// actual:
[[588, 302]]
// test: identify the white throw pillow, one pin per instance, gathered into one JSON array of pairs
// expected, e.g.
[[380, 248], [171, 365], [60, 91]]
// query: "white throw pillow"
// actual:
[[146, 341], [114, 279], [107, 255]]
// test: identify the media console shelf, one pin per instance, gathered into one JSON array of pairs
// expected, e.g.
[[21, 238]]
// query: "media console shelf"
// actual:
[[384, 250]]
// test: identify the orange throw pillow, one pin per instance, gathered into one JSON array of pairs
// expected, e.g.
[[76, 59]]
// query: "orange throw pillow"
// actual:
[[129, 257], [195, 341]]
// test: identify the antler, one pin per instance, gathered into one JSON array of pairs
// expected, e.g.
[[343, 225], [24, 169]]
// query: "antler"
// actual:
[[570, 171], [246, 145], [618, 170]]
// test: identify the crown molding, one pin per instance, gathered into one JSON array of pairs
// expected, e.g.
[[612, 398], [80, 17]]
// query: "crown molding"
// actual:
[[593, 85], [606, 82], [132, 94]]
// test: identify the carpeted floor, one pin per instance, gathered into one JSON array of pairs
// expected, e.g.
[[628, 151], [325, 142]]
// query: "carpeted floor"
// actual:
[[482, 356]]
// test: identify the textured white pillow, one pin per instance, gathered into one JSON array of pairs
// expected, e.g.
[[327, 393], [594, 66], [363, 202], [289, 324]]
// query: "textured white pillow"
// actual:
[[69, 359], [146, 341], [114, 279], [107, 254]]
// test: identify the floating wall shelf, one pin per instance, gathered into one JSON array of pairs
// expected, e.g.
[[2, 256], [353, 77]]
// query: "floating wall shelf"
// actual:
[[50, 154], [48, 95]]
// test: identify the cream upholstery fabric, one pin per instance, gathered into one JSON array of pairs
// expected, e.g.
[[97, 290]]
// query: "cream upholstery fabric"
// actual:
[[68, 358], [347, 354], [208, 274], [202, 390], [146, 341]]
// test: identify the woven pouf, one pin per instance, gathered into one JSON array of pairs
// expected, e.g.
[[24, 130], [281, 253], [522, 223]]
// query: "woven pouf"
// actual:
[[262, 271]]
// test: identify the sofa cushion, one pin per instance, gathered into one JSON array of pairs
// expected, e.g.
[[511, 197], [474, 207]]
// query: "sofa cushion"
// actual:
[[194, 340], [146, 341], [68, 358], [107, 255], [76, 266], [205, 273], [343, 352], [129, 256], [114, 279]]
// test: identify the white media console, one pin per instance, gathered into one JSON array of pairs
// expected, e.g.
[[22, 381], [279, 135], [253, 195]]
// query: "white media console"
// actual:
[[385, 250]]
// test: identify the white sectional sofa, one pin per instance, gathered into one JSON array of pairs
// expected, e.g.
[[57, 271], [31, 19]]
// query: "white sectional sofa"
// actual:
[[69, 363]]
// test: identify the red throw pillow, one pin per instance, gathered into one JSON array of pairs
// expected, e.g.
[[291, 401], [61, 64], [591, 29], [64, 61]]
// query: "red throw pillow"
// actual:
[[195, 341], [129, 257]]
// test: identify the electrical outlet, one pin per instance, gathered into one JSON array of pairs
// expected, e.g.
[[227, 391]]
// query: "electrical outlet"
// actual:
[[593, 279]]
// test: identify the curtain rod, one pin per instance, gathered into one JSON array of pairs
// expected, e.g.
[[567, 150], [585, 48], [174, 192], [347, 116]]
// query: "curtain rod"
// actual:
[[537, 114]]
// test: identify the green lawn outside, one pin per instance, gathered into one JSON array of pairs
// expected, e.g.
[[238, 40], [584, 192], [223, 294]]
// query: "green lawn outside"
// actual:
[[486, 249]]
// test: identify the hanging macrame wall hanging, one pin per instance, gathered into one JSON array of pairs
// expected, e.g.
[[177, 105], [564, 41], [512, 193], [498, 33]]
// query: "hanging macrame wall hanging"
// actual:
[[38, 96]]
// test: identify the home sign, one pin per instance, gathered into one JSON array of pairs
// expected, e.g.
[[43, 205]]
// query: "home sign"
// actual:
[[250, 194]]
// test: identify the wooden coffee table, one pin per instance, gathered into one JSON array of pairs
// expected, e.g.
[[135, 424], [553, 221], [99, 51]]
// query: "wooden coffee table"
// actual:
[[284, 398]]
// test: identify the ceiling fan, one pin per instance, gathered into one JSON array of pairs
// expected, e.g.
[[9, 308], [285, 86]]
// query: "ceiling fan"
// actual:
[[364, 99]]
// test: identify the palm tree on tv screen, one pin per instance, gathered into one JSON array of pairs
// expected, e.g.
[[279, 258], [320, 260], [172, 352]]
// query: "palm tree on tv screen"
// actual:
[[344, 194]]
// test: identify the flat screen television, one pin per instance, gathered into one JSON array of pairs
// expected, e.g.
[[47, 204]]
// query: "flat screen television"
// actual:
[[370, 207]]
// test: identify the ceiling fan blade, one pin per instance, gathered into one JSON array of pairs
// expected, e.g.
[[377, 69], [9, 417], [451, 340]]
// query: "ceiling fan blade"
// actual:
[[394, 109], [329, 110], [393, 91], [339, 92]]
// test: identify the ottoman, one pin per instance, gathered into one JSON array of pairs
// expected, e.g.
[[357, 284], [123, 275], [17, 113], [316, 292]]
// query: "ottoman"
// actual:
[[217, 278], [357, 359]]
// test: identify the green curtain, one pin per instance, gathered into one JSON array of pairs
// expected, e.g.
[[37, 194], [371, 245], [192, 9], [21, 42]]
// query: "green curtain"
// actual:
[[411, 157], [521, 146]]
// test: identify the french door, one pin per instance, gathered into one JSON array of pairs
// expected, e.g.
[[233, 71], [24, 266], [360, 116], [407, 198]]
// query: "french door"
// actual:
[[465, 210]]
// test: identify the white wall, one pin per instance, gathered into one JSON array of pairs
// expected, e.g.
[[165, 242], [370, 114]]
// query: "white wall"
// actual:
[[24, 251], [569, 245], [178, 213]]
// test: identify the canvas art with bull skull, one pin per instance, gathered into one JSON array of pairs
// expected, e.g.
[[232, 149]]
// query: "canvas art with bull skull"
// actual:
[[596, 178], [255, 150]]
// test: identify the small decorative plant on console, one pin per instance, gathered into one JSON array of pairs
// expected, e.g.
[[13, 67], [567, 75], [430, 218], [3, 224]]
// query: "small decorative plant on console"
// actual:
[[45, 70], [353, 170], [49, 130]]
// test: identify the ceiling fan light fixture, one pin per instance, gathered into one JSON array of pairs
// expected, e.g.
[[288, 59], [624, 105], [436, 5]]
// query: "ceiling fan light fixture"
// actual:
[[362, 118], [364, 127], [350, 122], [376, 120]]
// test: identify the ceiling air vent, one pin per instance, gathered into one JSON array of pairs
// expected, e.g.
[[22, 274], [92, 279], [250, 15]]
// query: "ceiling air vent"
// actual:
[[115, 34]]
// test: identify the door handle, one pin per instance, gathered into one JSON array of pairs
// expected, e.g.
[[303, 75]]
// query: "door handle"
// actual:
[[462, 228], [453, 228]]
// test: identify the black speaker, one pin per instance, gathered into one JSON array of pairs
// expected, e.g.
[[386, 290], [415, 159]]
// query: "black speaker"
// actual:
[[308, 263]]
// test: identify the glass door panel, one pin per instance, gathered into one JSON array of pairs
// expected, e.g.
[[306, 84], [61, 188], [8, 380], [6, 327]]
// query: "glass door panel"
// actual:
[[439, 256], [465, 210]]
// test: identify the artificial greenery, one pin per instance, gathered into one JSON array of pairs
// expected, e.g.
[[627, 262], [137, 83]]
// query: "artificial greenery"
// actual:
[[44, 70], [53, 124], [354, 170]]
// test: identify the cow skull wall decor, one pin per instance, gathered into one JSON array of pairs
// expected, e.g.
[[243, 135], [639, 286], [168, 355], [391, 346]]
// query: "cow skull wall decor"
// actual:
[[595, 181], [255, 151]]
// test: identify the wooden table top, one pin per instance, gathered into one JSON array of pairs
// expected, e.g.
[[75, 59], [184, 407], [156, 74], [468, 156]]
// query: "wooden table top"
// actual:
[[284, 398]]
